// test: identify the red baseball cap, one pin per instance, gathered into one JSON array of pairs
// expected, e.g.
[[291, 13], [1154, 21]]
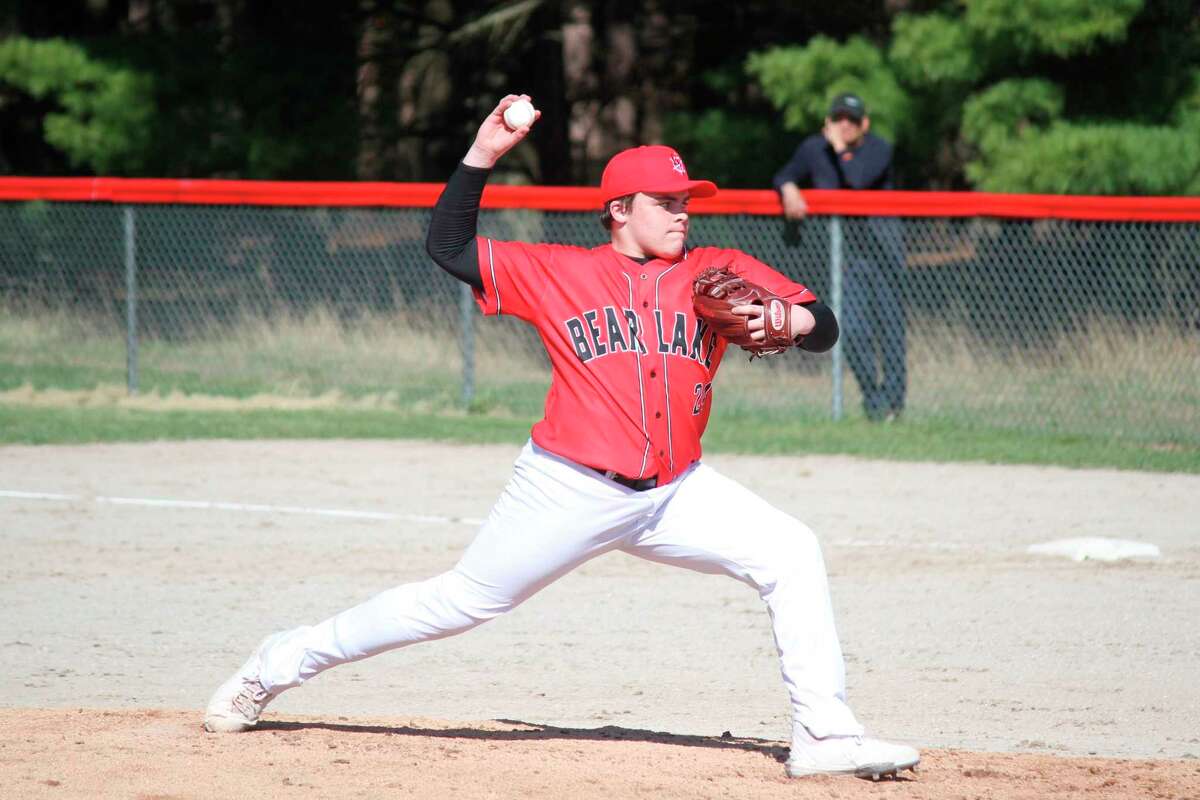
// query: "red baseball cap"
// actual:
[[650, 168]]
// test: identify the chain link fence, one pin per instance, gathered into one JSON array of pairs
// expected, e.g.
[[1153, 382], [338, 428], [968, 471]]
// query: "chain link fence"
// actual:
[[1089, 328]]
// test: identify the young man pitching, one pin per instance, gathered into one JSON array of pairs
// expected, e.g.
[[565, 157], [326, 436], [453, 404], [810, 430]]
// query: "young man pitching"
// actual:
[[615, 464]]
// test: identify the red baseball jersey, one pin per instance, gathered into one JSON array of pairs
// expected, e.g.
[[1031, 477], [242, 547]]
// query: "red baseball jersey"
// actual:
[[632, 366]]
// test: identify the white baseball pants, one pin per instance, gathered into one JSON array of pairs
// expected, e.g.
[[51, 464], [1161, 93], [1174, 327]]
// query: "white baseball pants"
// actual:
[[553, 516]]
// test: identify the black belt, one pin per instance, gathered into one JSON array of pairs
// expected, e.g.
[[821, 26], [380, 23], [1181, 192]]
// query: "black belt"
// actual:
[[637, 484]]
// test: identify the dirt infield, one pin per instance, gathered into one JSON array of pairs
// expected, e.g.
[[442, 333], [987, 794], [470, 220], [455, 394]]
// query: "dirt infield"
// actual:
[[164, 755], [136, 577]]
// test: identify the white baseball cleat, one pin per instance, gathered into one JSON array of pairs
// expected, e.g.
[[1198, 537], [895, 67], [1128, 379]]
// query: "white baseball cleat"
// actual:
[[848, 755], [238, 702]]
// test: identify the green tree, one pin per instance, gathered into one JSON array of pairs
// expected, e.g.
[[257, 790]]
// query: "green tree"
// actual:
[[100, 113], [179, 88], [1061, 28], [1019, 95], [800, 81]]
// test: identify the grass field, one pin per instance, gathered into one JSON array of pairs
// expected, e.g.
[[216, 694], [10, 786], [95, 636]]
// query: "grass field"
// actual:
[[1102, 400]]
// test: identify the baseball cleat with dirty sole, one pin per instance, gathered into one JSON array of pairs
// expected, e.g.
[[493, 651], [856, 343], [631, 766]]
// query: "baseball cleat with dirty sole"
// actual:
[[848, 755], [238, 702]]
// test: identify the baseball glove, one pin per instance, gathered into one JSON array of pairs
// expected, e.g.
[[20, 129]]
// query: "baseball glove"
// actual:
[[718, 289]]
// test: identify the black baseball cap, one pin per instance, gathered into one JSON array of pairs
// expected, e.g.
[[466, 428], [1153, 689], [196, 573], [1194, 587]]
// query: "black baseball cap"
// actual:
[[849, 104]]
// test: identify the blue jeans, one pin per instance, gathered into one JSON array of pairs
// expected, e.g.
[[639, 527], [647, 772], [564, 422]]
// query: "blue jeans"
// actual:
[[873, 335]]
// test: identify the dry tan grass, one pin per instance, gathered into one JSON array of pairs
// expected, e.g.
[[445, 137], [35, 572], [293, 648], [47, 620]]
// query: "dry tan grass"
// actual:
[[1104, 373], [346, 351], [111, 395]]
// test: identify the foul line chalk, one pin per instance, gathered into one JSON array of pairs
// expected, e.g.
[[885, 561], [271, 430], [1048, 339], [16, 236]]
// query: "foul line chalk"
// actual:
[[260, 508], [38, 496]]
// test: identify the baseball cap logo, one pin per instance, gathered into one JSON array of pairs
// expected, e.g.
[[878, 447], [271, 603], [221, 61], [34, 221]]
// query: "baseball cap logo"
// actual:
[[650, 168]]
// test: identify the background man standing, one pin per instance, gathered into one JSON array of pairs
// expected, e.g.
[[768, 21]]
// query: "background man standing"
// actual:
[[845, 155]]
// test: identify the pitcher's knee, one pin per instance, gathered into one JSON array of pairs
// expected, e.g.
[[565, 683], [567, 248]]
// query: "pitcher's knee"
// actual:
[[805, 540], [467, 600], [796, 549]]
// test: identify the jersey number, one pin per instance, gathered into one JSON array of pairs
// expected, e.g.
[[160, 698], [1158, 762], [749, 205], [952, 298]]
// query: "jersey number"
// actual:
[[703, 390]]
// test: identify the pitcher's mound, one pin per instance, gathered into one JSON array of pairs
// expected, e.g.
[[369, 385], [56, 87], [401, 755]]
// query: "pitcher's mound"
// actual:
[[158, 754]]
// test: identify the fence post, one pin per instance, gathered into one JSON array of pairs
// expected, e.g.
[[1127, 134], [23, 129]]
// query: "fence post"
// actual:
[[835, 299], [466, 326], [131, 341]]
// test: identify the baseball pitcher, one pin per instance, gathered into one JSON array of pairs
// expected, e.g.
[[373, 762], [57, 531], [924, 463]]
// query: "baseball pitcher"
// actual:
[[635, 329]]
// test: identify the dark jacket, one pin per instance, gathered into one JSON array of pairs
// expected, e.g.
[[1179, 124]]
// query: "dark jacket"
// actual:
[[868, 166]]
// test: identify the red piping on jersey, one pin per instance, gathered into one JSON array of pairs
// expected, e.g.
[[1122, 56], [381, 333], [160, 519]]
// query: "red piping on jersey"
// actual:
[[578, 198]]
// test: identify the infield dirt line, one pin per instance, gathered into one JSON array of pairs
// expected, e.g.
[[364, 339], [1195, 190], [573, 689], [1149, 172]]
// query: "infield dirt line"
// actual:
[[388, 516], [221, 505]]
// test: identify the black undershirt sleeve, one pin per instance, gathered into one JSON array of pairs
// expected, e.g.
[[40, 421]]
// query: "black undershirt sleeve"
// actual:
[[824, 334], [451, 239]]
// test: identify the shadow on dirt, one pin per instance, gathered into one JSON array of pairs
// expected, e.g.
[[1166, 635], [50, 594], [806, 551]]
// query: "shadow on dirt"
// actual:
[[530, 731]]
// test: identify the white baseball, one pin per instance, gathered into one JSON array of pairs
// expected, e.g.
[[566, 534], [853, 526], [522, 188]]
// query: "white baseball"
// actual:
[[519, 114]]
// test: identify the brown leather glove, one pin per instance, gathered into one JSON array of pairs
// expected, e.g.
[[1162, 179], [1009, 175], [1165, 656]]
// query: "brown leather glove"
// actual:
[[718, 289]]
